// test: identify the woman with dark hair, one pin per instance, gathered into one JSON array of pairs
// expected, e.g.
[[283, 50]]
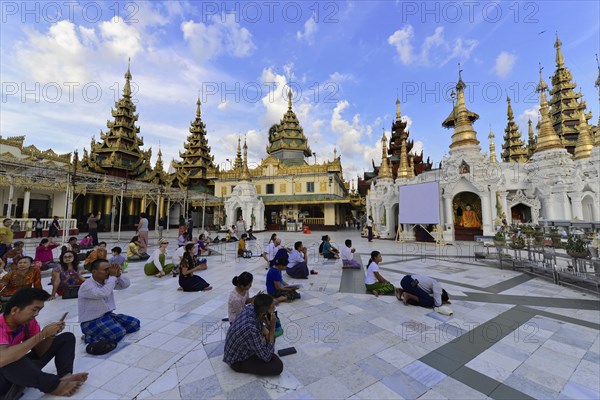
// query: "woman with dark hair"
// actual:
[[327, 249], [43, 254], [269, 252], [133, 250], [66, 274], [54, 228], [25, 275], [187, 280], [374, 282], [239, 297]]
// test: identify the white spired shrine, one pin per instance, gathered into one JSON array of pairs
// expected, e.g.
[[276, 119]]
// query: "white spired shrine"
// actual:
[[553, 177]]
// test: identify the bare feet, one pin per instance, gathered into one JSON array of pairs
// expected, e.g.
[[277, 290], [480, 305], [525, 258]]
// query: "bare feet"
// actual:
[[376, 293], [180, 288], [405, 299], [399, 292], [66, 388], [207, 289], [79, 377]]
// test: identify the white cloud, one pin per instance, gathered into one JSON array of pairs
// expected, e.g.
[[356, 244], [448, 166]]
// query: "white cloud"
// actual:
[[222, 36], [275, 101], [504, 64], [310, 30], [121, 39], [223, 105], [339, 77], [532, 113], [401, 41], [436, 49]]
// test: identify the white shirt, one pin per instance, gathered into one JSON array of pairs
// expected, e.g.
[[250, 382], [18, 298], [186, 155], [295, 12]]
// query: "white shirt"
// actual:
[[295, 258], [369, 223], [156, 258], [346, 254], [370, 278], [178, 255], [95, 300], [271, 250], [143, 225]]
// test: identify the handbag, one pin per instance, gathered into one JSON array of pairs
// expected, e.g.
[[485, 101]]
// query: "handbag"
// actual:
[[72, 292]]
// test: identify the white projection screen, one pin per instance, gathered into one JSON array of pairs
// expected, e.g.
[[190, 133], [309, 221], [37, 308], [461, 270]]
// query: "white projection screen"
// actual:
[[419, 204]]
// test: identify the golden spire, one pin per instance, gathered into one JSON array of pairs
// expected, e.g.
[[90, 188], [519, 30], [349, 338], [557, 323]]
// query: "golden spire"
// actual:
[[411, 166], [290, 99], [245, 173], [547, 138], [198, 112], [530, 130], [492, 145], [509, 112], [584, 146], [403, 168], [560, 59], [461, 119], [384, 170], [397, 109], [238, 163], [127, 87], [597, 84]]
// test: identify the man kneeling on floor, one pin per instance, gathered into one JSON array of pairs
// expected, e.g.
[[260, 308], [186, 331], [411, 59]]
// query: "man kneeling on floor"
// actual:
[[20, 333], [250, 340], [97, 302], [421, 290]]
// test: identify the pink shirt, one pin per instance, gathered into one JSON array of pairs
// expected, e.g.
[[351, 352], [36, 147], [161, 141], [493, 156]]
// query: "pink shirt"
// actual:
[[11, 338], [44, 254]]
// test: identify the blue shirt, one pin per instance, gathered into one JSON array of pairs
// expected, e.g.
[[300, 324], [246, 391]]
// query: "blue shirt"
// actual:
[[274, 275], [120, 259], [326, 248]]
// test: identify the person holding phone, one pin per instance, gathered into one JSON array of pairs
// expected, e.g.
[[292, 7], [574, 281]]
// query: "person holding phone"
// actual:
[[250, 340], [25, 349]]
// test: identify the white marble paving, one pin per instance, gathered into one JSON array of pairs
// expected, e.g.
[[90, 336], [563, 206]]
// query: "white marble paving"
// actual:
[[349, 345]]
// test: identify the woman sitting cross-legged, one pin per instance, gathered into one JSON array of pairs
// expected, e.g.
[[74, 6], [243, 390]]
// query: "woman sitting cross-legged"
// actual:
[[66, 274], [133, 250], [328, 250], [43, 254], [276, 286], [24, 275], [240, 296], [157, 264], [374, 282], [187, 280]]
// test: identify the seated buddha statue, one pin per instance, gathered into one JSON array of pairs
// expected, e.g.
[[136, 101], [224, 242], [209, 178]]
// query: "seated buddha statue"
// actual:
[[469, 218]]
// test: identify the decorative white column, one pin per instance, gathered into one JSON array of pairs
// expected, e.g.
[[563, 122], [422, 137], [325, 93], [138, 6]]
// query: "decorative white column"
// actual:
[[26, 200], [566, 206], [11, 193], [448, 216], [486, 215], [504, 203], [576, 206]]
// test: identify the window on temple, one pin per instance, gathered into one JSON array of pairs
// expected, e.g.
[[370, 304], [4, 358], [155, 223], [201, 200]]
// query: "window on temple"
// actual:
[[310, 187], [270, 188]]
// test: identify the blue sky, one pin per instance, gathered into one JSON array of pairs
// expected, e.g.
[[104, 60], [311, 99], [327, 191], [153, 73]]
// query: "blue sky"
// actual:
[[346, 62]]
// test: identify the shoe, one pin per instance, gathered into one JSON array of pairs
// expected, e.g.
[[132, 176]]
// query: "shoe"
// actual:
[[313, 272]]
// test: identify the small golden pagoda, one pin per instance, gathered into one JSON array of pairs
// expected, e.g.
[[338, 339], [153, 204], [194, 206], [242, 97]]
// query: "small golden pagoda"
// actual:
[[547, 138], [564, 103], [286, 139], [531, 139], [585, 143], [190, 172], [491, 137], [461, 119], [119, 153], [385, 172], [513, 149]]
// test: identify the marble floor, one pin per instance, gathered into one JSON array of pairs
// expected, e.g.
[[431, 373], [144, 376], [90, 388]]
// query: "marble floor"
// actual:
[[511, 335]]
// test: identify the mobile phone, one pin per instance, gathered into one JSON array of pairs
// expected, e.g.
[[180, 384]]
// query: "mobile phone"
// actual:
[[287, 351], [63, 317]]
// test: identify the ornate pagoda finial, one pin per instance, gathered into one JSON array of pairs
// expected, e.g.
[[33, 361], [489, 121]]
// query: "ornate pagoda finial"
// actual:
[[245, 172], [127, 87], [461, 119], [585, 144], [289, 99], [385, 170], [397, 109], [238, 164], [530, 130], [509, 112], [560, 59], [334, 153], [492, 145], [547, 138], [198, 112]]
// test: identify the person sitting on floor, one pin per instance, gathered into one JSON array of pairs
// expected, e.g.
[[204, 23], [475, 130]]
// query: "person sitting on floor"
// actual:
[[157, 264], [239, 296], [276, 286], [99, 253], [242, 251], [118, 258], [250, 235], [96, 304], [278, 248], [202, 246], [187, 280], [269, 252], [421, 290], [298, 260], [71, 243], [328, 250], [374, 282], [347, 254], [24, 275], [14, 254], [87, 242], [43, 254], [133, 250], [25, 349], [183, 239], [65, 274], [250, 340]]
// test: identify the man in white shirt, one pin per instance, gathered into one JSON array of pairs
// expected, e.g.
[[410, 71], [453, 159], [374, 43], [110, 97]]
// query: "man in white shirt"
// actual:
[[347, 255], [421, 290], [96, 303], [298, 263]]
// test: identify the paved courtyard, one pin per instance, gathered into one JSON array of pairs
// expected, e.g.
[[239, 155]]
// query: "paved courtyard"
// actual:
[[511, 335]]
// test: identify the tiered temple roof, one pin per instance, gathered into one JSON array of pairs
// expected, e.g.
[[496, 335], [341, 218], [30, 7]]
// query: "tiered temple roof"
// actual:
[[513, 149], [286, 139], [119, 152], [461, 119], [564, 103], [196, 159], [547, 138]]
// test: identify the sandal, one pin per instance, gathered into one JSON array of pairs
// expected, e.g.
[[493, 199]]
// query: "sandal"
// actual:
[[313, 272]]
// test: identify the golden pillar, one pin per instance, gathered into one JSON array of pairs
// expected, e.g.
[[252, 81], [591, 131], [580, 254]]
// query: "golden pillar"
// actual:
[[130, 206], [161, 206], [143, 204], [151, 210], [107, 205], [88, 203]]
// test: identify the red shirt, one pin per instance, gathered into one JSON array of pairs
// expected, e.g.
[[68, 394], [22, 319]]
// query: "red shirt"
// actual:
[[11, 338]]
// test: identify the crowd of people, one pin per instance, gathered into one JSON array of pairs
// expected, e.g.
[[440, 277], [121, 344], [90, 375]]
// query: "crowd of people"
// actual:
[[253, 321]]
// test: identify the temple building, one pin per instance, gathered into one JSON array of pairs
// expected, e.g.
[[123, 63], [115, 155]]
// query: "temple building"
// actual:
[[284, 184], [555, 176]]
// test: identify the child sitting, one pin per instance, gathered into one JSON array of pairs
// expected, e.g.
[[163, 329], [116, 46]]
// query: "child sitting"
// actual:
[[242, 251], [118, 259]]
